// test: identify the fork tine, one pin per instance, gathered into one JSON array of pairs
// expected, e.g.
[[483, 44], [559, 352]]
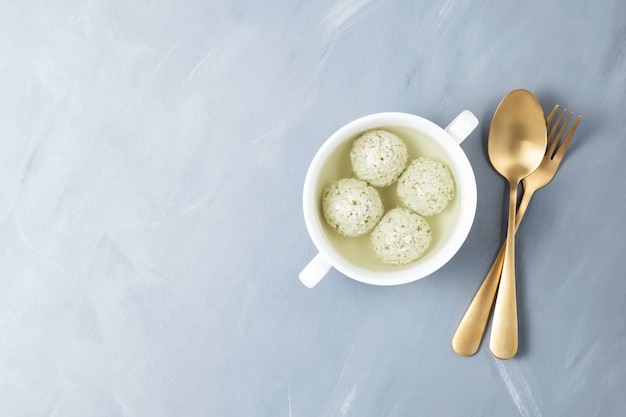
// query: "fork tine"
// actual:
[[556, 131], [557, 138], [563, 147], [551, 115]]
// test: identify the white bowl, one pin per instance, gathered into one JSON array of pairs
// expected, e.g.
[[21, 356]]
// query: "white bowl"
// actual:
[[354, 257]]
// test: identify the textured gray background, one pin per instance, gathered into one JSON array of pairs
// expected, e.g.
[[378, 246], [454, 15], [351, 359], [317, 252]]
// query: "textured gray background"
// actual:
[[152, 156]]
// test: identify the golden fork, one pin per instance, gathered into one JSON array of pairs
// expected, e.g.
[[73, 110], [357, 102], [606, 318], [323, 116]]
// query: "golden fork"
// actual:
[[472, 327]]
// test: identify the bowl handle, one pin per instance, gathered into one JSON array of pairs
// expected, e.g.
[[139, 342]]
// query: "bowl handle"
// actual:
[[462, 125], [313, 273]]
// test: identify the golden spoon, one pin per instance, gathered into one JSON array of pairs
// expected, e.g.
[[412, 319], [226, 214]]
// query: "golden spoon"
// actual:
[[469, 334], [516, 144]]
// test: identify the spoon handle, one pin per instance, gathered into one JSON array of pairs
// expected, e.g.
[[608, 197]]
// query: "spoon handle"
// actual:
[[504, 335], [470, 332]]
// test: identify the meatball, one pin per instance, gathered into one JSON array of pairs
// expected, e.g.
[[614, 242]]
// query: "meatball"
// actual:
[[402, 236], [352, 207], [378, 157], [426, 186]]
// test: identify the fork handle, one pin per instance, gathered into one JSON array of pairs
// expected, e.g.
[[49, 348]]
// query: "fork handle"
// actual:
[[472, 327], [470, 332]]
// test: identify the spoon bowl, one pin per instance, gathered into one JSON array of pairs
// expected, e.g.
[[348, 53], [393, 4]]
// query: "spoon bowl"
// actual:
[[516, 145], [517, 136]]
